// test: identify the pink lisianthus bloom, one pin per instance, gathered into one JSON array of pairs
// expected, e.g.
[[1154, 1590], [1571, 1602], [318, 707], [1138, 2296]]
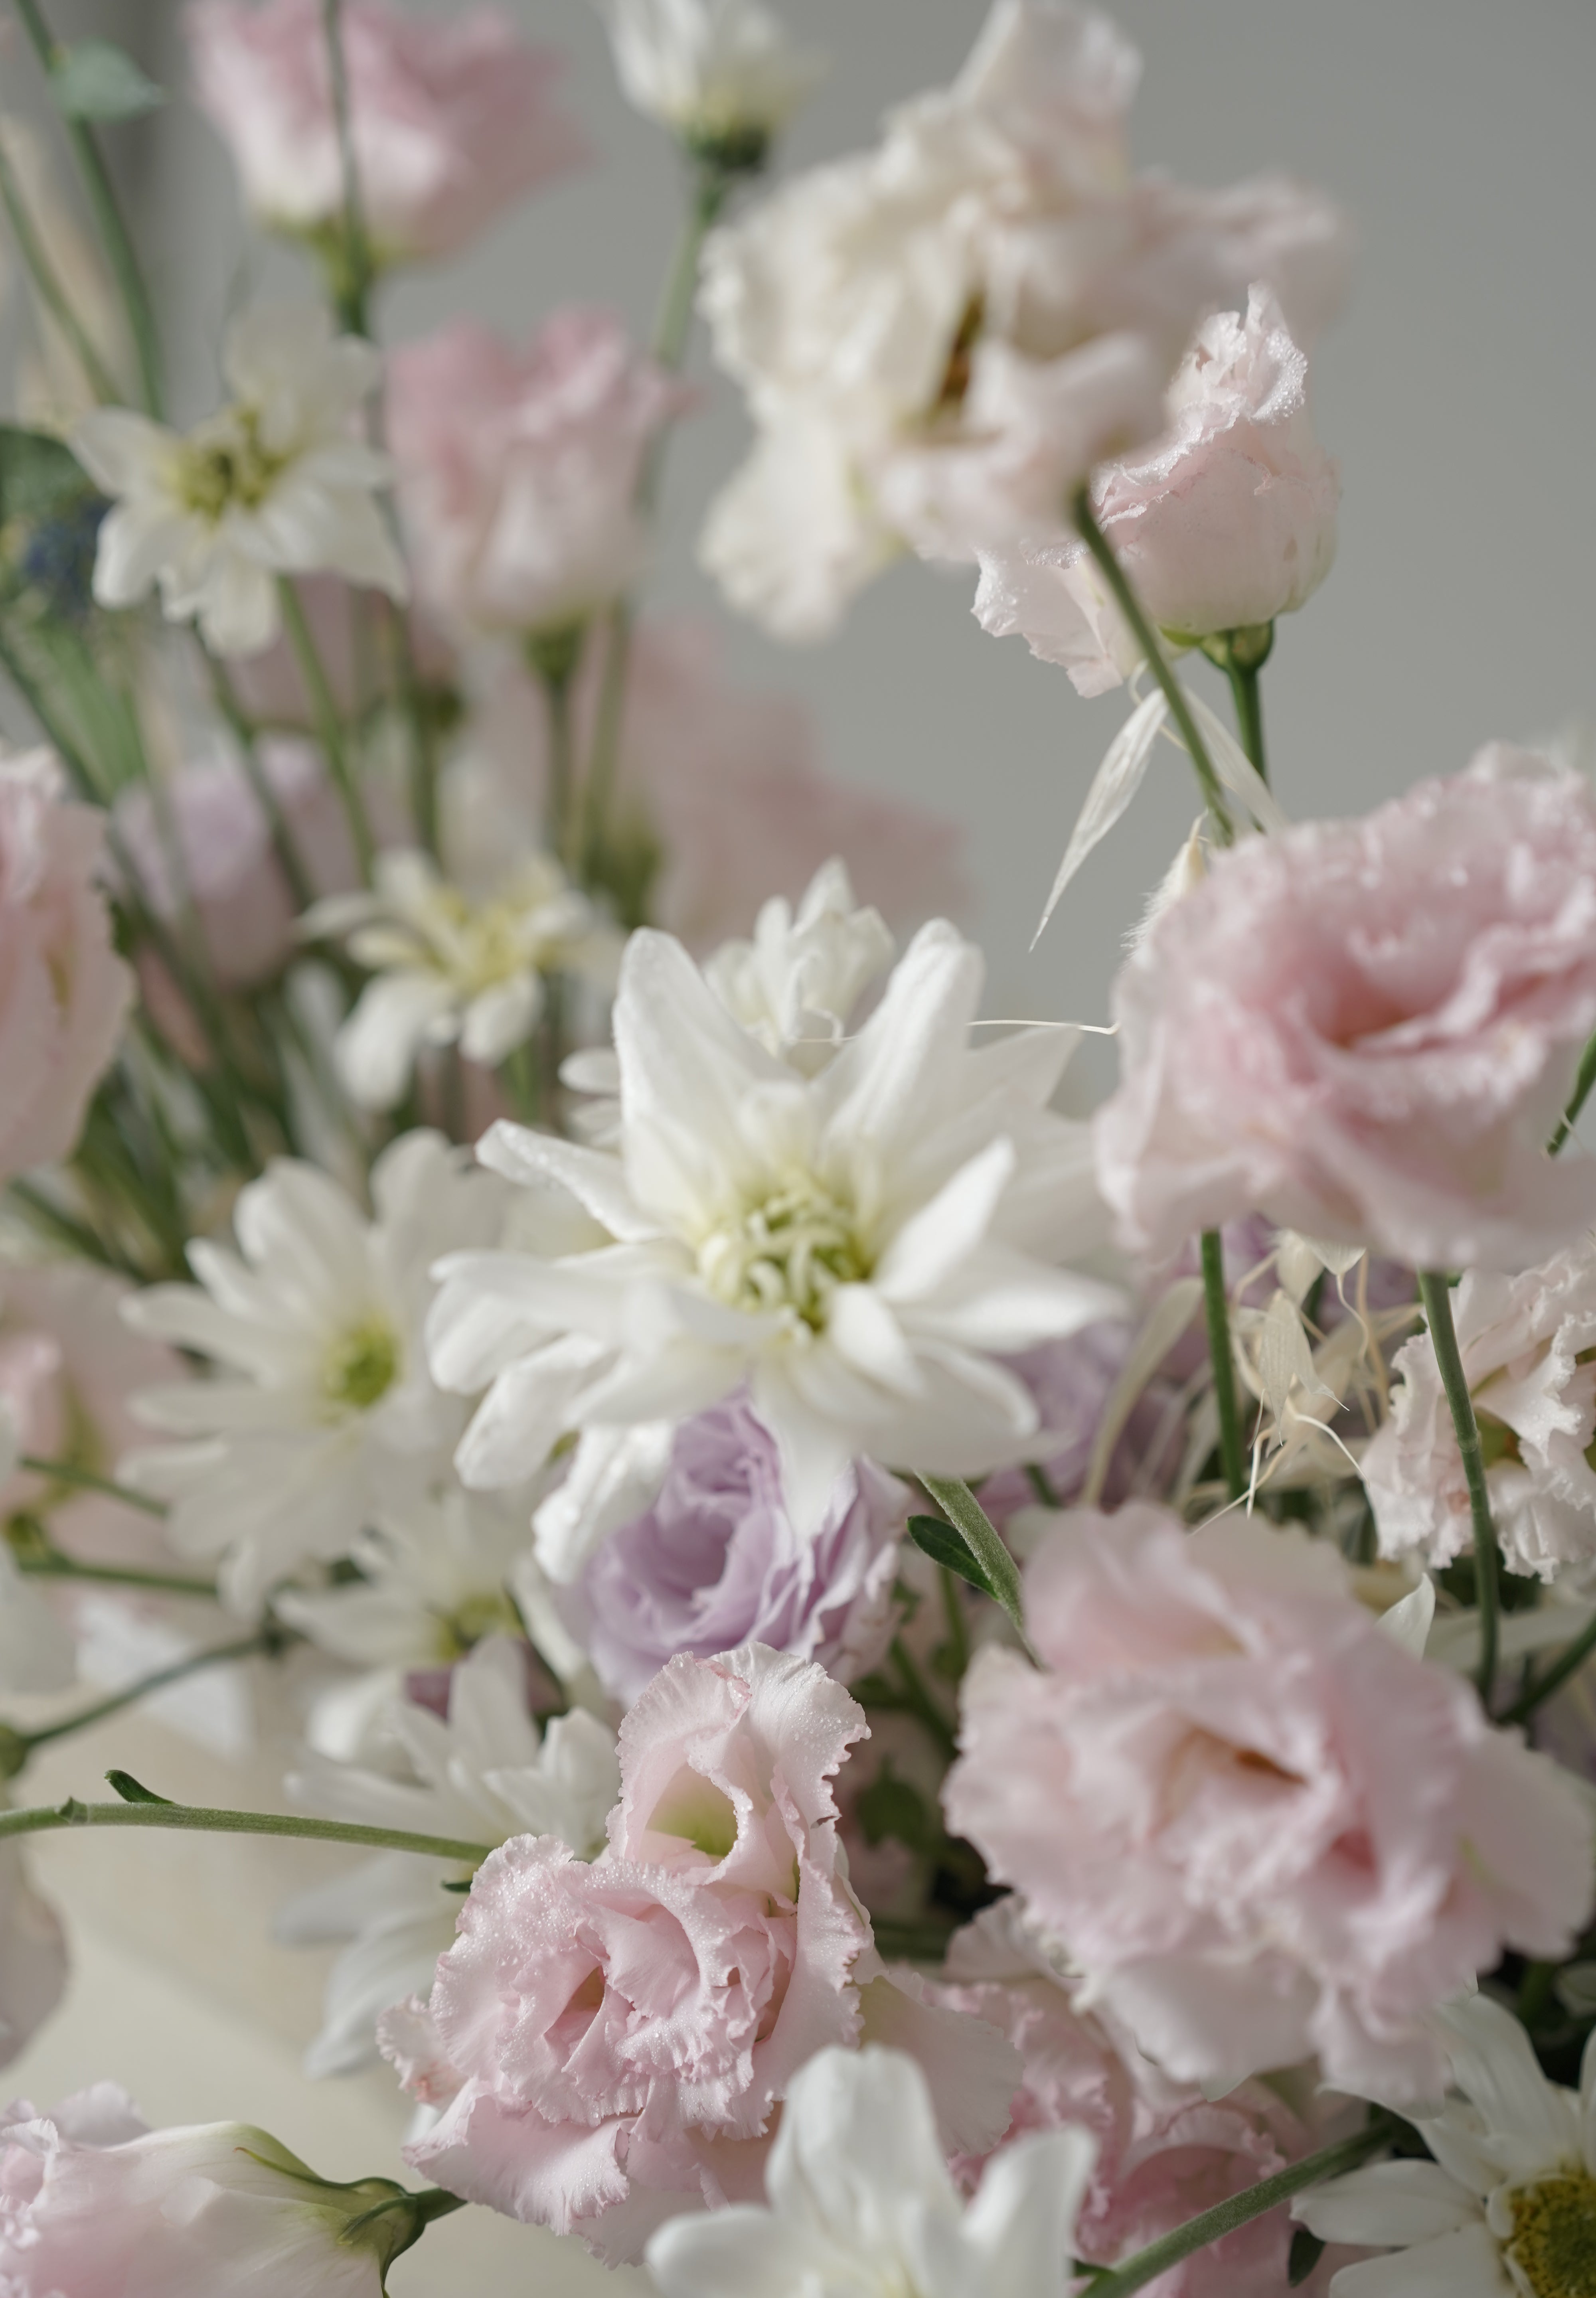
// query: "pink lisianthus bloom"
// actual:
[[1368, 1029], [452, 119], [1527, 1343], [518, 470], [1225, 524], [1165, 2152], [64, 993], [1196, 1796], [94, 2203], [720, 799]]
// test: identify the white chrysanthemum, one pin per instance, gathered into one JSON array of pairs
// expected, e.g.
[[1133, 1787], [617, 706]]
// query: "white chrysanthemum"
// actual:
[[485, 1775], [321, 1407], [861, 2200], [714, 71], [794, 986], [859, 1248], [1508, 2203], [280, 482], [454, 966]]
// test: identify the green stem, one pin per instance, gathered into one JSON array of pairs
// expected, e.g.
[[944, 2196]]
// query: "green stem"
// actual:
[[952, 1612], [1216, 1308], [1313, 2170], [1124, 597], [266, 1643], [353, 287], [289, 859], [1568, 1664], [1582, 1083], [196, 1820], [560, 819], [1247, 694], [918, 1700], [1435, 1294], [66, 1472], [329, 732], [51, 294], [55, 1565], [980, 1535], [77, 1236], [424, 763]]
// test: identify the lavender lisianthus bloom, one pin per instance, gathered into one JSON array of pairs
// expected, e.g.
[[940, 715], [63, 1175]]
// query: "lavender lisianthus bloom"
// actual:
[[716, 1562]]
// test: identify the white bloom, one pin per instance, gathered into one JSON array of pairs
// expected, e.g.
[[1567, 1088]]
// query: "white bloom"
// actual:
[[794, 986], [1526, 1345], [941, 337], [33, 1957], [716, 72], [1508, 2203], [454, 966], [279, 482], [861, 2201], [859, 1248], [322, 1406], [485, 1775]]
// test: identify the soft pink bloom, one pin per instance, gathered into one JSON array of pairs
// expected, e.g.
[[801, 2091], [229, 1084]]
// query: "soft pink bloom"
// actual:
[[1366, 1029], [1527, 1344], [245, 910], [453, 117], [1226, 522], [1165, 2152], [1196, 1796], [64, 993], [719, 792], [518, 469]]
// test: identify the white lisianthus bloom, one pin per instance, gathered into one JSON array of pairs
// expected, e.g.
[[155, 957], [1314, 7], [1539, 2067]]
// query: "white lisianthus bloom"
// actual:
[[859, 1248], [941, 337], [280, 482], [794, 986], [485, 1775], [1508, 2202], [860, 2200], [716, 72], [321, 1407], [454, 966]]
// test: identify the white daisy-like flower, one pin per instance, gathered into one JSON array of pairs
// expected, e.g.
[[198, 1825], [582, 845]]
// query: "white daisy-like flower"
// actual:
[[715, 71], [321, 1408], [794, 986], [1508, 2205], [859, 1248], [280, 482], [454, 965], [484, 1776]]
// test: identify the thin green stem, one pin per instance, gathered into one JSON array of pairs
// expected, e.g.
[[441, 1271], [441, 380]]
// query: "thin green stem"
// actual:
[[67, 1472], [1312, 2171], [265, 1644], [1217, 1311], [54, 1566], [1435, 1294], [952, 1612], [65, 1228], [196, 1820], [1247, 694], [355, 270], [290, 861], [1582, 1083], [424, 762], [560, 816], [47, 284], [329, 730], [918, 1700], [1567, 1663], [1125, 597]]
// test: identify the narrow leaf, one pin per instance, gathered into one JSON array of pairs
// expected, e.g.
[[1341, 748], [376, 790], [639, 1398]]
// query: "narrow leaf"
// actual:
[[1305, 2253], [1000, 1574], [39, 475], [1234, 768], [943, 1545], [1118, 780], [1169, 1317], [94, 79], [125, 1785]]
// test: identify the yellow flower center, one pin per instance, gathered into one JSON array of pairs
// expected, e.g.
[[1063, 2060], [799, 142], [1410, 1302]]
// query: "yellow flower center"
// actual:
[[1553, 2252], [361, 1366], [789, 1252], [223, 463]]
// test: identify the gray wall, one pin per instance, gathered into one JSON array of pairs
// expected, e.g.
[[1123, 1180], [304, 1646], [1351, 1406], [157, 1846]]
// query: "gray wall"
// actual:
[[1456, 390]]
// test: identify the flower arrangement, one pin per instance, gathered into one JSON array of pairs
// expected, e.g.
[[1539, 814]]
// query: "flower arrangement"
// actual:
[[936, 1698]]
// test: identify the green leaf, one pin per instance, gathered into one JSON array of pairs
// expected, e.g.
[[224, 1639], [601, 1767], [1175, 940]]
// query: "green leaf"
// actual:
[[889, 1807], [39, 475], [125, 1785], [943, 1545], [1000, 1573], [94, 79], [1306, 2250]]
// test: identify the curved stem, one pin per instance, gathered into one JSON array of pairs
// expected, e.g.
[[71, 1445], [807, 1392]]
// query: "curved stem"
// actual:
[[197, 1820], [328, 730], [266, 1642], [47, 285], [1435, 1294], [65, 1472], [54, 1566], [1582, 1083], [355, 270], [1568, 1663], [918, 1701], [1216, 1310], [1124, 597], [1239, 2211], [289, 859]]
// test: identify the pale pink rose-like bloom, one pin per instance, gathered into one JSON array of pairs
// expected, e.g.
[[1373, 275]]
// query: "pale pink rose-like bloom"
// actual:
[[453, 117], [1165, 2152], [518, 469], [1368, 1029], [1526, 1343], [1196, 1796], [724, 788], [64, 993], [1229, 521]]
